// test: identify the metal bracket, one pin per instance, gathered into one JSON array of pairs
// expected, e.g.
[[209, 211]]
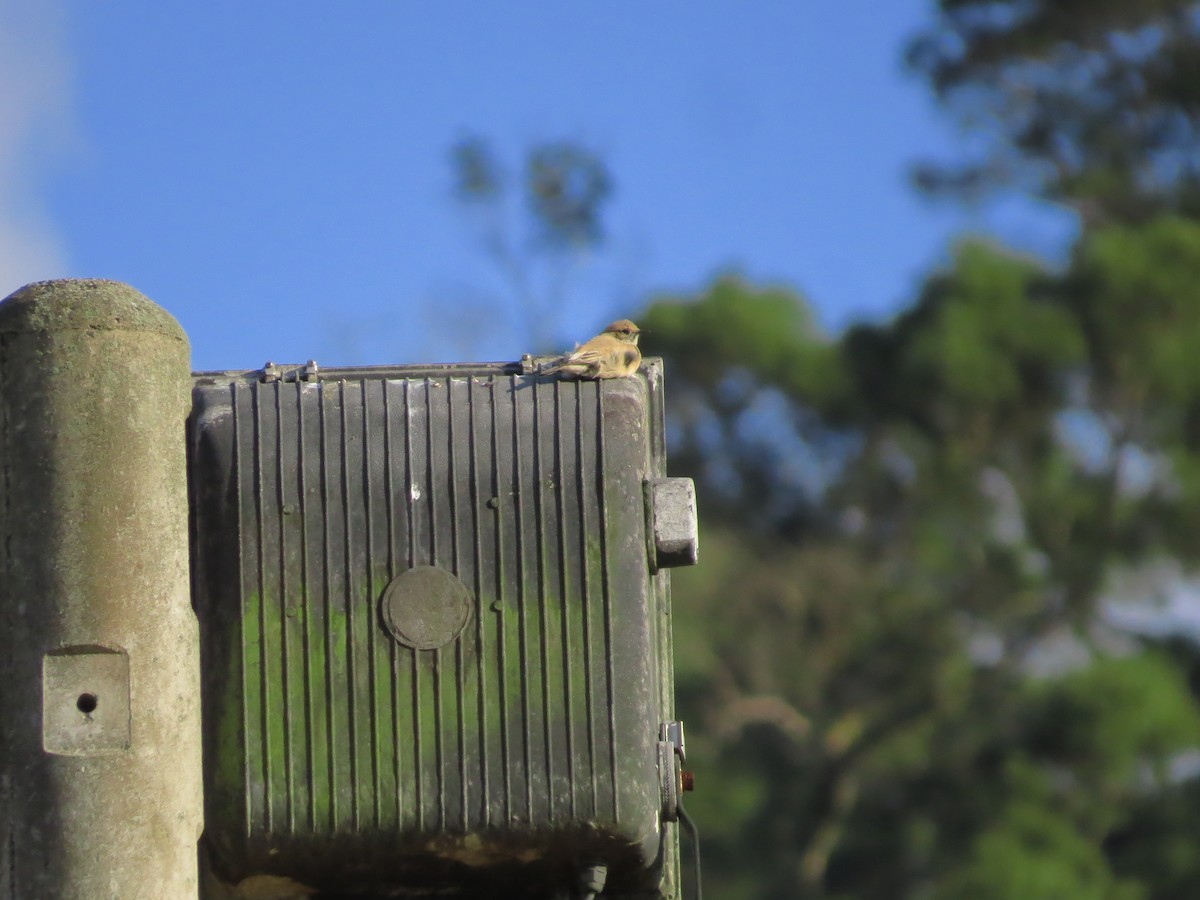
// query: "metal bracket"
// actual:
[[671, 757], [672, 753], [272, 372], [670, 778], [673, 531]]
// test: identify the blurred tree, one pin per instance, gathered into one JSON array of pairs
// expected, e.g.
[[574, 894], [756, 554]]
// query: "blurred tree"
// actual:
[[904, 528], [564, 189], [1094, 102], [903, 647]]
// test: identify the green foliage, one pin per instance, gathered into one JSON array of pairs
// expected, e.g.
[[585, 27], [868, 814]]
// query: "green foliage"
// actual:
[[1138, 290], [988, 342], [768, 332], [1091, 101], [1033, 853], [1095, 746], [897, 650], [1122, 720], [868, 646]]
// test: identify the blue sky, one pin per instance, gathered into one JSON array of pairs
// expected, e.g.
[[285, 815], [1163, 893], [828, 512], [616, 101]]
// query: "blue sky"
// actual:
[[276, 174]]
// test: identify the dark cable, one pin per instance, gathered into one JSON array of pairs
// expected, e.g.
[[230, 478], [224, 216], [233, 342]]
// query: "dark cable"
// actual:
[[694, 832]]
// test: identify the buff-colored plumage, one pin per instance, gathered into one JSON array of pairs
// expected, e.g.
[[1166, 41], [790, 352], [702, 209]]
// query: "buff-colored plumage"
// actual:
[[611, 354]]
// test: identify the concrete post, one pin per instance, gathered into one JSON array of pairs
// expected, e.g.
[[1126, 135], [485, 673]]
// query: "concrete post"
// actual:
[[100, 769]]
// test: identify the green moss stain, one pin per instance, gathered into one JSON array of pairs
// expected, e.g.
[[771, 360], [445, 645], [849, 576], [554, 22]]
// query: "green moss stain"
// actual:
[[85, 304], [396, 761], [407, 703], [250, 652], [424, 717], [387, 758], [473, 721], [227, 795], [318, 733], [274, 734], [298, 720], [334, 680], [274, 723]]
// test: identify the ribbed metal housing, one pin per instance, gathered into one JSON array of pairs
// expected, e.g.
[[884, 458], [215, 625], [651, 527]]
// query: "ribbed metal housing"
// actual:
[[513, 754]]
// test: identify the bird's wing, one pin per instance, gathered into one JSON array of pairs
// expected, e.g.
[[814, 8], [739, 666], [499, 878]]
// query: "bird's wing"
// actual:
[[598, 350], [591, 356]]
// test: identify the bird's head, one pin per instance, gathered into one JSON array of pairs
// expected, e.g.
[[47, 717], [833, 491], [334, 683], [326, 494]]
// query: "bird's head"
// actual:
[[624, 330]]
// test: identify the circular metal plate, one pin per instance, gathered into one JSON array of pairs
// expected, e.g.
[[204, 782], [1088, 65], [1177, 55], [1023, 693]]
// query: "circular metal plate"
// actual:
[[425, 607]]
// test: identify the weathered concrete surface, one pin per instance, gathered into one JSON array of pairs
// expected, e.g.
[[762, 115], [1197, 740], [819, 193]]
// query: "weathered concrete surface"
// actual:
[[100, 769]]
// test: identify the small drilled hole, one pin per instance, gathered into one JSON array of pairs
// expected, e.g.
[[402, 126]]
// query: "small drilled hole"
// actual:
[[86, 703]]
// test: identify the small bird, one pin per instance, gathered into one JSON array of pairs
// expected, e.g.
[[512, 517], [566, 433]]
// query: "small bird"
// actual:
[[613, 353]]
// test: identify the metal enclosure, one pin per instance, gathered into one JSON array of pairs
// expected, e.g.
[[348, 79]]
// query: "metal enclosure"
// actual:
[[436, 642]]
